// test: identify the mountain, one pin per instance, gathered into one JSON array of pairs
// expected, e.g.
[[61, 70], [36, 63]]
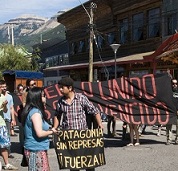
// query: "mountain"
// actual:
[[28, 30]]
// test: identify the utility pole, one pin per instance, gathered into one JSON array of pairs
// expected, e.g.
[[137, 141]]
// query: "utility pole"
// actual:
[[8, 34], [41, 38], [91, 25], [12, 33]]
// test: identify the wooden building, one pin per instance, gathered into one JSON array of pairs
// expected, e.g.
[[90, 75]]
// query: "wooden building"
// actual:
[[53, 53], [137, 25]]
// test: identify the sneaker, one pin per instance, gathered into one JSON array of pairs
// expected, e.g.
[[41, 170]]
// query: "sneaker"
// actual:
[[153, 127], [130, 144], [176, 142], [136, 144], [158, 134], [10, 167], [113, 134], [141, 135], [10, 156], [168, 142]]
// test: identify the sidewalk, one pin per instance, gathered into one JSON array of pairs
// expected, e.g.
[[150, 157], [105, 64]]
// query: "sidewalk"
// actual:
[[151, 155]]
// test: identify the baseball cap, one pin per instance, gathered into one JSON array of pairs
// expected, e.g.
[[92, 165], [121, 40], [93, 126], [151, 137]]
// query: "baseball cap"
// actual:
[[66, 81]]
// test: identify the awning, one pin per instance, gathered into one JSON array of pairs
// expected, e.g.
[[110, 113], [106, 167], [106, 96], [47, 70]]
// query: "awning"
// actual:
[[173, 52], [123, 60], [131, 58], [168, 47], [24, 74]]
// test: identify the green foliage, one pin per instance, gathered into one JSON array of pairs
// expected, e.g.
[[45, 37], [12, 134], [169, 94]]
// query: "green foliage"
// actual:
[[16, 58]]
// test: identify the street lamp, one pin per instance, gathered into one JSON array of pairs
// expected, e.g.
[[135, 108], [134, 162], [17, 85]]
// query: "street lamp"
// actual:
[[115, 47]]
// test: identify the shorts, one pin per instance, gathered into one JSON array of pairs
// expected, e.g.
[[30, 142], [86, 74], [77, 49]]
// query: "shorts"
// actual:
[[4, 137]]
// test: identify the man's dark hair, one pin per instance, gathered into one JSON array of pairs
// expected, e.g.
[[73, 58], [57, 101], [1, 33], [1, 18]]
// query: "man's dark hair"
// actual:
[[66, 81]]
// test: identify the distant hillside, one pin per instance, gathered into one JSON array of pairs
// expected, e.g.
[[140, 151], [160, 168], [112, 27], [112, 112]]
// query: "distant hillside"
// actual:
[[29, 30], [29, 41]]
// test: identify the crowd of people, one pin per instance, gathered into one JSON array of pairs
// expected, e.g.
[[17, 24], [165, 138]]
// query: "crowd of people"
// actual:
[[34, 128], [7, 121], [73, 111]]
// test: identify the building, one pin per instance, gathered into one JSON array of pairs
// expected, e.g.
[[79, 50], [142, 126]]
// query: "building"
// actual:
[[53, 53], [139, 26]]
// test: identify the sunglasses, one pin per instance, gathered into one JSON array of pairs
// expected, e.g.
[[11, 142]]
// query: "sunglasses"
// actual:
[[33, 84]]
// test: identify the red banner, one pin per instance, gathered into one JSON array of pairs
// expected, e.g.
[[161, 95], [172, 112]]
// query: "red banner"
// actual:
[[147, 99]]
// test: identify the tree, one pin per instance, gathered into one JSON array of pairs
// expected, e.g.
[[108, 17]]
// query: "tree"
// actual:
[[16, 58], [35, 59]]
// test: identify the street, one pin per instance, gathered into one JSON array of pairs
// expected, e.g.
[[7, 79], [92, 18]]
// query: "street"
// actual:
[[151, 155]]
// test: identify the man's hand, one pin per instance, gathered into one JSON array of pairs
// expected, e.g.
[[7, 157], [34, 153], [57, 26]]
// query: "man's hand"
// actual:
[[101, 126], [98, 119], [4, 104], [13, 123]]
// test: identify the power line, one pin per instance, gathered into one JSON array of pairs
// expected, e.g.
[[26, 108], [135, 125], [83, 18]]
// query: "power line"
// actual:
[[85, 9], [105, 68]]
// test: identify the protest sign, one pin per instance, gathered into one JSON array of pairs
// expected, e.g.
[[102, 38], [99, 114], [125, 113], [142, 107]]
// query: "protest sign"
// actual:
[[79, 149]]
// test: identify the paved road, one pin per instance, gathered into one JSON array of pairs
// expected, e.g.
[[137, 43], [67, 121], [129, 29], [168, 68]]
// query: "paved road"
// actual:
[[151, 155]]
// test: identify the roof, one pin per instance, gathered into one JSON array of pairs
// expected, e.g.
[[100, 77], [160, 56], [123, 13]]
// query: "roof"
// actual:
[[62, 18], [24, 74], [49, 43], [127, 59]]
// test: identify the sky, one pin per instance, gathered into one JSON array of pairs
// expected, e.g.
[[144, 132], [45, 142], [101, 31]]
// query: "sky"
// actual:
[[10, 9]]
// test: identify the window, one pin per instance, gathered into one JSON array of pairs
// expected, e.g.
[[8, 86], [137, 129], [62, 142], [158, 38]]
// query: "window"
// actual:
[[55, 61], [111, 38], [100, 41], [138, 73], [171, 23], [88, 45], [60, 59], [66, 59], [154, 22], [123, 31], [49, 62], [81, 46], [137, 27], [73, 48]]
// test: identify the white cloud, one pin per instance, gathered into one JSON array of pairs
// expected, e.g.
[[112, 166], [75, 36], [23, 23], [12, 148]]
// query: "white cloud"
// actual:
[[45, 8]]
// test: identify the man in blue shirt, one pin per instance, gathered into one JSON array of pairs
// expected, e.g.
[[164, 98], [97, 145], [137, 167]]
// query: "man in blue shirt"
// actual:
[[9, 116]]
